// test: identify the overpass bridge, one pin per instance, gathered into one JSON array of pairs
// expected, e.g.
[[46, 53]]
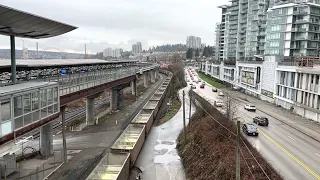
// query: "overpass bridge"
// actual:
[[44, 87], [35, 92]]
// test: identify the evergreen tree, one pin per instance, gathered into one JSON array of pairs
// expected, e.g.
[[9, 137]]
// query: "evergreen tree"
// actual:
[[197, 53], [205, 51], [210, 50], [189, 53]]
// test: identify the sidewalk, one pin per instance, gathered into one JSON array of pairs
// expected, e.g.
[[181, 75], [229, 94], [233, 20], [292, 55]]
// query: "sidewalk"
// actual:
[[309, 127]]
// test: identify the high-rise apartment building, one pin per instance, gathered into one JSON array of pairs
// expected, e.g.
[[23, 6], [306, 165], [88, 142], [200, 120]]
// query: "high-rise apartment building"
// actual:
[[221, 35], [273, 46], [109, 52], [137, 48], [193, 42], [268, 27]]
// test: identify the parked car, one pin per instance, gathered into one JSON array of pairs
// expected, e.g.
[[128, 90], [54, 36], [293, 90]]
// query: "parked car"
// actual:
[[250, 107], [214, 90], [250, 129], [262, 121], [202, 86], [218, 103], [191, 83], [193, 87], [221, 93]]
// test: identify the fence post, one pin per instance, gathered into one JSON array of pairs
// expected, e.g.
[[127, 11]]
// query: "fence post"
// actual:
[[43, 171], [37, 177]]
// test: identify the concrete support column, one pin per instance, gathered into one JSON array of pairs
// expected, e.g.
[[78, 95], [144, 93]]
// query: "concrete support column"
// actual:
[[315, 105], [90, 111], [13, 59], [134, 87], [46, 140], [114, 99], [296, 79], [145, 80], [153, 80]]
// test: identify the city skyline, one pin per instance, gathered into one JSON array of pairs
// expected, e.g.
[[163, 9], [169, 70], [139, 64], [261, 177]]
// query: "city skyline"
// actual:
[[117, 31]]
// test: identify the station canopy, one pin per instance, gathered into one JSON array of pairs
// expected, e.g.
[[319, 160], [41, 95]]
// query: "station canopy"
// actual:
[[26, 25]]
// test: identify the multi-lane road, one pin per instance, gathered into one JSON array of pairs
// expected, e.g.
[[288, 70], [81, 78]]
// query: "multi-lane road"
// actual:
[[293, 154]]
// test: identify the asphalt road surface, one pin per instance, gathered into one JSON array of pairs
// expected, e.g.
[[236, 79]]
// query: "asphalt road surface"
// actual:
[[293, 154]]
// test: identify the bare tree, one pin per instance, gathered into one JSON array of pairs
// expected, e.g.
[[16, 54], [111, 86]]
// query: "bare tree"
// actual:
[[230, 104]]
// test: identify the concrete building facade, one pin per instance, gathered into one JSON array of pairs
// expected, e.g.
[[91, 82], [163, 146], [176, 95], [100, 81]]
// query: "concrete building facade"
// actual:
[[193, 42], [137, 48], [293, 84]]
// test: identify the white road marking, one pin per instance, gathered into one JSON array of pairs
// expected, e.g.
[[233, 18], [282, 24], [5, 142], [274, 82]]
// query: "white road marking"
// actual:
[[291, 138], [270, 125], [58, 132], [317, 154]]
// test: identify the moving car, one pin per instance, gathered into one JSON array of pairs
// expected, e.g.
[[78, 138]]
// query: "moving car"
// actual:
[[193, 87], [250, 107], [221, 93], [262, 121], [214, 89], [202, 86], [250, 129], [218, 103]]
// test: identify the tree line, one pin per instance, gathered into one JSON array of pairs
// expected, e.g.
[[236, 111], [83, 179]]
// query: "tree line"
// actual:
[[207, 52], [167, 48]]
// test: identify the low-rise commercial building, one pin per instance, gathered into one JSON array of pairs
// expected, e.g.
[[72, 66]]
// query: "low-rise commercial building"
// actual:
[[292, 84]]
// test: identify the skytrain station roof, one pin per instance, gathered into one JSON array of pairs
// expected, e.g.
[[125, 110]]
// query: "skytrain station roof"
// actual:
[[22, 24], [43, 63]]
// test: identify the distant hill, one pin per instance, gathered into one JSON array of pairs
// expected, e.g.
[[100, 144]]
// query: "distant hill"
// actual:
[[32, 54]]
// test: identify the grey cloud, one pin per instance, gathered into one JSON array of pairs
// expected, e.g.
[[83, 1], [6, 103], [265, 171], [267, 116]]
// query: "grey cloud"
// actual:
[[119, 23]]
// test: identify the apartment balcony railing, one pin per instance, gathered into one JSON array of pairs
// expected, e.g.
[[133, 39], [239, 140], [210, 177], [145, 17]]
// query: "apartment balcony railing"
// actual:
[[300, 12], [300, 38], [301, 21], [234, 13], [233, 23], [299, 29], [302, 61]]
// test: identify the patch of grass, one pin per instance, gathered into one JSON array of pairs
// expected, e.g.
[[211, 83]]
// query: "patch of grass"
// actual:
[[212, 81], [176, 104]]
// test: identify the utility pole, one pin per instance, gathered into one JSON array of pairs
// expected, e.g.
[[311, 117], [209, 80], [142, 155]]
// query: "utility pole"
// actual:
[[184, 118], [189, 110], [238, 152], [64, 143]]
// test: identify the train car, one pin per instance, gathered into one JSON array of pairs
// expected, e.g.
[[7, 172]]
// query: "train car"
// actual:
[[152, 105], [130, 141], [144, 117], [112, 166]]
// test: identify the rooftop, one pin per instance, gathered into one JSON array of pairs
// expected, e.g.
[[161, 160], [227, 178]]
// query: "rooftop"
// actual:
[[26, 25], [13, 89], [56, 62]]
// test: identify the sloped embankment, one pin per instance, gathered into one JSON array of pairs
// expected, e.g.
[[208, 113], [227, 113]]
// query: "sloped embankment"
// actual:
[[210, 150]]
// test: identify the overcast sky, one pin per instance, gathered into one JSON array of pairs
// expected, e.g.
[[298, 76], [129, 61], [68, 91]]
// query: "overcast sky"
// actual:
[[119, 23]]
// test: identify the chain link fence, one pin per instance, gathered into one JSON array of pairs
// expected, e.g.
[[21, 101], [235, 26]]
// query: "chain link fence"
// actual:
[[27, 172]]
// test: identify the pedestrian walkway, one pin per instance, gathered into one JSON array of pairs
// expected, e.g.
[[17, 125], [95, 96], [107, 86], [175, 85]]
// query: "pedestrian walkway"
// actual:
[[309, 127]]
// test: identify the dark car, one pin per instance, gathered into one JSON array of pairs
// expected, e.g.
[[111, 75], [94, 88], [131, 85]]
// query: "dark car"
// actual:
[[250, 129], [263, 121], [214, 90]]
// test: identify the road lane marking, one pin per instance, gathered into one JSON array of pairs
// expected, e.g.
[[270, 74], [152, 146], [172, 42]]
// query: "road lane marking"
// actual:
[[290, 155], [317, 154], [291, 138], [270, 125]]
